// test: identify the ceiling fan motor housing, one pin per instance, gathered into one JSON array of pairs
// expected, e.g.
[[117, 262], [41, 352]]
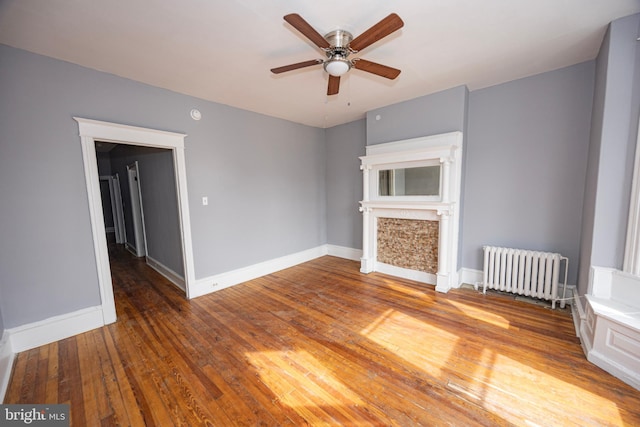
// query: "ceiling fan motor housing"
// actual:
[[338, 64], [339, 39]]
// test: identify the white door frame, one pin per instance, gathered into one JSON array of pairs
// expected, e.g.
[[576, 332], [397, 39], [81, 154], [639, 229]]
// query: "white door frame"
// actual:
[[137, 211], [92, 130]]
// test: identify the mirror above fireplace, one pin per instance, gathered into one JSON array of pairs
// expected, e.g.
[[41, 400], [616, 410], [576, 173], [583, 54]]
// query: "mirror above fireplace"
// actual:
[[412, 181]]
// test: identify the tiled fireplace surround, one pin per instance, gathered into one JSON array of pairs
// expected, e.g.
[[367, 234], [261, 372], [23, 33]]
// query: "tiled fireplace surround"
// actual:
[[414, 237], [408, 243]]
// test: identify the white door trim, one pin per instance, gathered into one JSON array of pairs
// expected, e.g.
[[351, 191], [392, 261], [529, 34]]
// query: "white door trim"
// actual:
[[92, 130]]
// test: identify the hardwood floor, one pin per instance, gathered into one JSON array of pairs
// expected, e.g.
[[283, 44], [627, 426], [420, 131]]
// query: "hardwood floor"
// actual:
[[322, 344]]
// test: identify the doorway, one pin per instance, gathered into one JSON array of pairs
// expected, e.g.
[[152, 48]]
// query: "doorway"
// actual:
[[93, 130]]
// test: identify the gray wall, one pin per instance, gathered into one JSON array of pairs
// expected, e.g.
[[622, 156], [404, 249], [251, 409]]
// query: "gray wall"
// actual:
[[591, 181], [345, 143], [46, 267], [612, 147], [104, 163], [265, 179], [1, 320], [428, 115], [527, 149], [159, 201]]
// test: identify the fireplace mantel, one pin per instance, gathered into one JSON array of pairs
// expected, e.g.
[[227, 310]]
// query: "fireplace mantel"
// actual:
[[444, 150]]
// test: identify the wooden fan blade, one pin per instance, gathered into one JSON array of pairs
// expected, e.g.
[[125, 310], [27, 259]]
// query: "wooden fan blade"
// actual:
[[382, 29], [295, 66], [377, 69], [334, 85], [307, 30]]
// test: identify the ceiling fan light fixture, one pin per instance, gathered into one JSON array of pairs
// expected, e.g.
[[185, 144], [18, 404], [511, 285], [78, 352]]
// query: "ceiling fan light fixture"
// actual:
[[337, 66]]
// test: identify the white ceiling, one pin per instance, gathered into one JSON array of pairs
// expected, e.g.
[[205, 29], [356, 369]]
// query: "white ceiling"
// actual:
[[222, 51]]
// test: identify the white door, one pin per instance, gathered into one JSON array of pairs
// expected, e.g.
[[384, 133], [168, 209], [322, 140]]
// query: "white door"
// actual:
[[136, 210]]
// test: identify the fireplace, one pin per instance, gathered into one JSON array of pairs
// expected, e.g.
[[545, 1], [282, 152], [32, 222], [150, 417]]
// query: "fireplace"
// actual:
[[411, 209], [408, 243]]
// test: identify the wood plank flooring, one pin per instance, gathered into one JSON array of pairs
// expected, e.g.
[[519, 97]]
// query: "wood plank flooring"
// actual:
[[322, 344]]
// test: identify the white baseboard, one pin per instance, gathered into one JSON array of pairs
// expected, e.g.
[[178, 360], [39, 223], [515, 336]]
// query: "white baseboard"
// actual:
[[6, 364], [165, 271], [418, 276], [32, 335], [578, 315], [55, 328], [128, 246], [469, 276], [234, 277], [617, 370], [344, 252]]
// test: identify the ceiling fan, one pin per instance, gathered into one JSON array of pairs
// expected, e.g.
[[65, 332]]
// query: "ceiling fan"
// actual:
[[339, 44]]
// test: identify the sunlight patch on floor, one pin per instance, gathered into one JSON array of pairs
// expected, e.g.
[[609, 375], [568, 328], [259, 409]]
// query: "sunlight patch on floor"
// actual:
[[398, 332], [513, 379], [298, 379], [481, 314], [408, 290]]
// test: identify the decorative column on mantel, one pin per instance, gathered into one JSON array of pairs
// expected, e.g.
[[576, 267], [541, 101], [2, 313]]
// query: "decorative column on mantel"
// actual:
[[442, 280], [366, 262], [445, 162]]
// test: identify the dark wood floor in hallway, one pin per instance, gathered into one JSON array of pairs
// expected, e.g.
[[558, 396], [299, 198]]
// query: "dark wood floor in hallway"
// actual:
[[322, 344]]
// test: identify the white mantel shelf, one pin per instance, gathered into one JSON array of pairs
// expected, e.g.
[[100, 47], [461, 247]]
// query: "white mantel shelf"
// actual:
[[407, 205], [445, 150]]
